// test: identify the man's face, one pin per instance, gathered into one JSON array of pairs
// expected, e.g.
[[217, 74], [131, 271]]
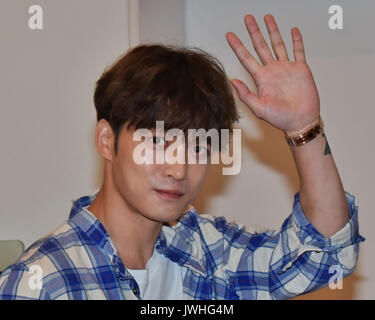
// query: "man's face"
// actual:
[[159, 192]]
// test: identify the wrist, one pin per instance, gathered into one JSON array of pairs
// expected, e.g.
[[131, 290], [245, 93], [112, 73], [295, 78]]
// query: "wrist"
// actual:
[[306, 134], [294, 133]]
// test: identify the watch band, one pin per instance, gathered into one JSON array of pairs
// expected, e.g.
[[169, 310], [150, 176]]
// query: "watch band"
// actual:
[[305, 136]]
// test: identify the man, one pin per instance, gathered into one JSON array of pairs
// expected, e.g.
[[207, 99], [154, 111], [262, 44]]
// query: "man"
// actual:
[[139, 237]]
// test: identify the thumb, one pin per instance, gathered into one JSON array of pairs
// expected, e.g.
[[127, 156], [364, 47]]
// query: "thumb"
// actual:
[[249, 98]]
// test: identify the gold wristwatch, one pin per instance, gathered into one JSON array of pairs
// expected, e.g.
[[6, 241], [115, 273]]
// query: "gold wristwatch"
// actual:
[[307, 135]]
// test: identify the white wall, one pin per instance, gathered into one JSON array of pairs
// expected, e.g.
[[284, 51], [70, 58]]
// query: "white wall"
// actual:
[[161, 21], [343, 64], [47, 121]]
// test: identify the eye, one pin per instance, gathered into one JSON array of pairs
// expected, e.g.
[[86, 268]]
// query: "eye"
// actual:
[[201, 150], [158, 141]]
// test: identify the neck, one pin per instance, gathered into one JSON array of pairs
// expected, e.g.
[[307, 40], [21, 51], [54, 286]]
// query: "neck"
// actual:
[[133, 234]]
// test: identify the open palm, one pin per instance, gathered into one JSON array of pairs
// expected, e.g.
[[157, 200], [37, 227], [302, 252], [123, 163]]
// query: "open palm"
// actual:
[[287, 95]]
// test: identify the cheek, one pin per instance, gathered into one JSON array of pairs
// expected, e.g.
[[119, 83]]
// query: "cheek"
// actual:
[[197, 175], [137, 175], [128, 175]]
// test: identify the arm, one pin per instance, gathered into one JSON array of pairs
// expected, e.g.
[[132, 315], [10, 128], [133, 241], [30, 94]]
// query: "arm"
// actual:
[[267, 264], [322, 195], [288, 99], [18, 283]]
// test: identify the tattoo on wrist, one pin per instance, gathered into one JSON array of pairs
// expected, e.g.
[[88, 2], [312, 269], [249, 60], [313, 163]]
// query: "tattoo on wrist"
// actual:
[[327, 149]]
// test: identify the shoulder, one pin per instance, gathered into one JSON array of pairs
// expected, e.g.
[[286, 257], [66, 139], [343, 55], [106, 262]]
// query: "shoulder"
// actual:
[[25, 278], [213, 228], [222, 244], [222, 224]]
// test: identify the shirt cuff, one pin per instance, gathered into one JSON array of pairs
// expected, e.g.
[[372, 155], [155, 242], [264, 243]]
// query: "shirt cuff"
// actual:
[[309, 235]]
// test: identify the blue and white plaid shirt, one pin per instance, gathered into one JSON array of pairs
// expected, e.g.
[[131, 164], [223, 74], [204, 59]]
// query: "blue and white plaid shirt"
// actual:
[[224, 260]]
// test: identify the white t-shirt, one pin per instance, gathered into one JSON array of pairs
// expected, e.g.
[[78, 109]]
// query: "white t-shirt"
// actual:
[[162, 279]]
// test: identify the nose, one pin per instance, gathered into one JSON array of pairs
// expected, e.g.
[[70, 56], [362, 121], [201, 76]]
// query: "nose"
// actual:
[[177, 171], [175, 165]]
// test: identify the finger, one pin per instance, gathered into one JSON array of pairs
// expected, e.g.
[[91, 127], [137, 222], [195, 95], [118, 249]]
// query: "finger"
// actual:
[[260, 45], [249, 98], [298, 48], [243, 55], [276, 39]]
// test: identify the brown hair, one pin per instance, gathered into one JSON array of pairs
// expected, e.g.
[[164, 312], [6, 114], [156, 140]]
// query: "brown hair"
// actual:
[[187, 88]]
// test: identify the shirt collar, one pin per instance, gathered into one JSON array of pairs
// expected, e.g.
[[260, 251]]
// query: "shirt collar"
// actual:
[[180, 243], [90, 225]]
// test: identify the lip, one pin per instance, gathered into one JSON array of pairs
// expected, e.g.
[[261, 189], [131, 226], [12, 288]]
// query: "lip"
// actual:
[[169, 194]]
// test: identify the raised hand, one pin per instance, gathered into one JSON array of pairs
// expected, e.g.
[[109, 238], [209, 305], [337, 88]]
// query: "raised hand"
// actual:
[[287, 95]]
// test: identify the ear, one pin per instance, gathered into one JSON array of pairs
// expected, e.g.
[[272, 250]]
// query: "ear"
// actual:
[[105, 139]]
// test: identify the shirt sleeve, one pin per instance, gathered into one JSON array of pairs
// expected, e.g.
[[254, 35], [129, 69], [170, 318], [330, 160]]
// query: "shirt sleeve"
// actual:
[[304, 260], [268, 264], [18, 282]]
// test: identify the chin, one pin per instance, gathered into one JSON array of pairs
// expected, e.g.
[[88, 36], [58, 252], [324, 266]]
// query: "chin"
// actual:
[[167, 216], [165, 210]]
